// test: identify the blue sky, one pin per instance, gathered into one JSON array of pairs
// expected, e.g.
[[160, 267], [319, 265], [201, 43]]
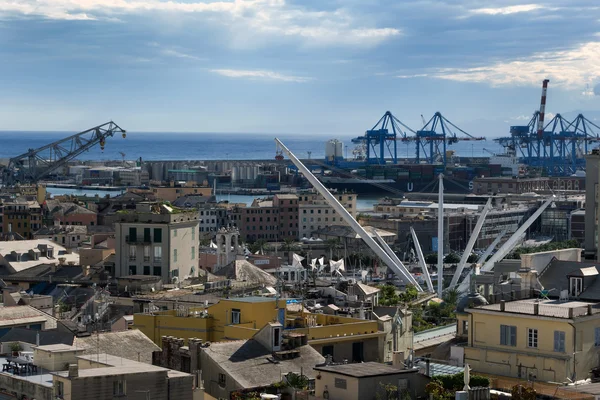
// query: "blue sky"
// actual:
[[302, 67]]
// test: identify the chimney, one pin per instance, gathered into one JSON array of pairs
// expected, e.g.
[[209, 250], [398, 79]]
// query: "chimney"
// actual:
[[73, 370], [502, 305], [398, 359]]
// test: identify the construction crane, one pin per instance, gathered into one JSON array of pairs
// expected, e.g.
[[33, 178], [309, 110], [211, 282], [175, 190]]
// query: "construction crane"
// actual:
[[122, 155], [39, 163], [384, 253], [436, 134], [379, 139], [556, 147]]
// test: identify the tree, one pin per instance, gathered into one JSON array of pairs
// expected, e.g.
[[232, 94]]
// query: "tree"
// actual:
[[333, 244], [472, 258], [431, 258], [410, 293], [451, 258], [289, 246], [259, 246], [451, 296]]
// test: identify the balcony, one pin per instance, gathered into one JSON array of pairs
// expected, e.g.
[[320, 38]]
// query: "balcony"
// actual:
[[137, 240], [132, 258], [157, 260], [146, 259]]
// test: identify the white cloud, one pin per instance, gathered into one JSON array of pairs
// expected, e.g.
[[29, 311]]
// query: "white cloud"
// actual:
[[507, 10], [260, 74], [246, 17], [571, 69]]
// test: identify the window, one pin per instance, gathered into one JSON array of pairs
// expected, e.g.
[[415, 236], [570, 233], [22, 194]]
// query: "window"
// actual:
[[174, 255], [465, 327], [559, 341], [236, 316], [119, 388], [157, 253], [276, 333], [194, 232], [532, 338], [222, 380], [146, 253], [193, 252], [132, 270], [340, 383], [174, 232], [146, 270], [508, 335], [157, 271], [132, 234], [147, 235], [59, 389], [132, 253], [157, 235], [575, 286], [597, 337]]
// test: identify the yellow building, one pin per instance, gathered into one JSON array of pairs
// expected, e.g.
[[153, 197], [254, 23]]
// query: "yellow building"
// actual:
[[241, 318], [544, 340]]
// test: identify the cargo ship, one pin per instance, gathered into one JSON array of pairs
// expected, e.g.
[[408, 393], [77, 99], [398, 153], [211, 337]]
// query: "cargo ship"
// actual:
[[361, 177]]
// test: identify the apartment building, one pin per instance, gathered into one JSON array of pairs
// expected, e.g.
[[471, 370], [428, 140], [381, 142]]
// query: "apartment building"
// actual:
[[547, 340], [592, 162], [20, 216], [288, 215], [156, 239], [102, 376], [315, 213], [273, 219], [68, 213], [240, 318]]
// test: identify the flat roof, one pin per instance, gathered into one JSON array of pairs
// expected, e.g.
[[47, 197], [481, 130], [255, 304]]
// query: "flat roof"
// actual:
[[58, 348], [363, 370], [546, 308], [252, 299]]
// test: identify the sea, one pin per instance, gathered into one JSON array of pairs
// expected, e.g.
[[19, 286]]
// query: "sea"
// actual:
[[213, 146], [153, 146]]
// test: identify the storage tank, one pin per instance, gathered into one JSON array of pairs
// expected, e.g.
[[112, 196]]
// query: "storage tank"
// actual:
[[235, 171], [333, 150]]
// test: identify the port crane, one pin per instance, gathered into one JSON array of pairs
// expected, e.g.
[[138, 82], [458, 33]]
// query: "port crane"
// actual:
[[382, 250], [379, 139], [431, 140], [39, 163], [555, 147]]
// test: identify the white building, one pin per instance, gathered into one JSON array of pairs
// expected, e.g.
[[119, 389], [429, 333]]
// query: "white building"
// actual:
[[157, 240], [315, 213]]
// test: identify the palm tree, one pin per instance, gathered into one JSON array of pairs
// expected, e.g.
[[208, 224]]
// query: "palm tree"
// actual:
[[259, 246], [290, 246], [333, 244]]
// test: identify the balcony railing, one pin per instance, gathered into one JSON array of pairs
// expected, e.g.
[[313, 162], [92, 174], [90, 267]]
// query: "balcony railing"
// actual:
[[146, 258], [137, 240], [157, 260], [132, 258]]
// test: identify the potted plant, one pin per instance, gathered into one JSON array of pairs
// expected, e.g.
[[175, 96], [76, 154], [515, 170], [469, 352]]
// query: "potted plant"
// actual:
[[16, 348]]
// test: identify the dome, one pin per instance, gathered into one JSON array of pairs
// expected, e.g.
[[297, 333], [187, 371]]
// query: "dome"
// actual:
[[469, 301]]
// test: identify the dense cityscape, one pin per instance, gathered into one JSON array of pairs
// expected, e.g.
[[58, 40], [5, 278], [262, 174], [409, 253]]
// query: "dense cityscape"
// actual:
[[299, 200]]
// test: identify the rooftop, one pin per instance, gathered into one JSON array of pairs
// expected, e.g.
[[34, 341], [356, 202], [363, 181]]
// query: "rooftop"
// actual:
[[545, 308], [363, 370], [113, 365], [130, 344], [248, 362], [41, 377], [58, 348], [253, 299], [25, 250], [25, 315]]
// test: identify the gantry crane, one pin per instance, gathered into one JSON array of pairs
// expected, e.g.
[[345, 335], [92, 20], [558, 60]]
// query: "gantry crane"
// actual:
[[38, 163], [556, 147], [379, 139], [431, 140]]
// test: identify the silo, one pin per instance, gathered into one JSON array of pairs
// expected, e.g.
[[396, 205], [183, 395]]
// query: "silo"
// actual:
[[235, 173]]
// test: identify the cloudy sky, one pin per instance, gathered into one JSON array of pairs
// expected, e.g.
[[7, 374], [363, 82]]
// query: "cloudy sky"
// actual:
[[293, 66]]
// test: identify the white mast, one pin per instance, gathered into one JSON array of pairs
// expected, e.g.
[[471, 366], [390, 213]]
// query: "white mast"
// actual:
[[399, 269], [440, 239]]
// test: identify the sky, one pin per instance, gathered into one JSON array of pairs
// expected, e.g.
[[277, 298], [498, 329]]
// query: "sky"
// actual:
[[310, 67]]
